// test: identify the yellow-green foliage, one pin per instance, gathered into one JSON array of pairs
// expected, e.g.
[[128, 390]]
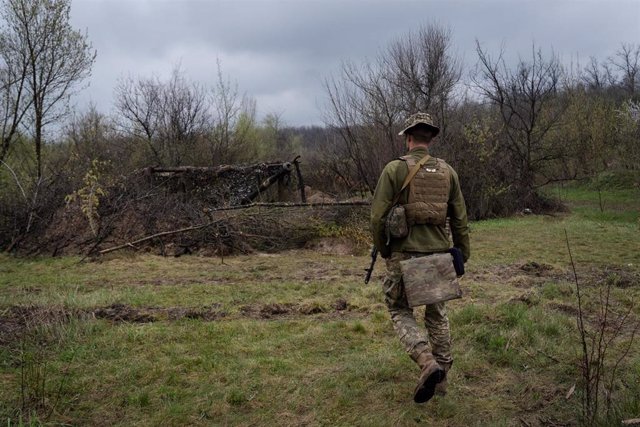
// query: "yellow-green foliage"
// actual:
[[480, 135], [355, 229], [89, 194]]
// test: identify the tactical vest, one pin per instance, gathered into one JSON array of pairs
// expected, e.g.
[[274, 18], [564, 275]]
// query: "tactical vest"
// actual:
[[428, 193]]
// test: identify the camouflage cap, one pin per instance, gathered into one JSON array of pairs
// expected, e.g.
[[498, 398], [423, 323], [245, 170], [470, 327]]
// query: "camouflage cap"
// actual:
[[419, 118]]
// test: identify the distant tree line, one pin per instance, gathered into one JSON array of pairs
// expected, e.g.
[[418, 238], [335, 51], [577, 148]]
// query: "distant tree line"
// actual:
[[508, 129]]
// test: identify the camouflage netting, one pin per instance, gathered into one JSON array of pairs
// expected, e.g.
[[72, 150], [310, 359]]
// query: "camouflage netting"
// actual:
[[224, 185], [153, 201]]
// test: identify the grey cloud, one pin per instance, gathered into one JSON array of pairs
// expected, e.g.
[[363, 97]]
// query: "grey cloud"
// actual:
[[279, 51]]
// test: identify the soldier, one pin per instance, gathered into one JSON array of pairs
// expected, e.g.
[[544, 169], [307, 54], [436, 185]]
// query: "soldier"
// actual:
[[436, 184]]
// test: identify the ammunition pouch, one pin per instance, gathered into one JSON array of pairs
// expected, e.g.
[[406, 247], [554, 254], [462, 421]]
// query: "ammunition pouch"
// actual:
[[396, 226]]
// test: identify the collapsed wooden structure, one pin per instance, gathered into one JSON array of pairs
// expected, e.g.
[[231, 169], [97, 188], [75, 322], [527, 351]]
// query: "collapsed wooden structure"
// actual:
[[233, 185]]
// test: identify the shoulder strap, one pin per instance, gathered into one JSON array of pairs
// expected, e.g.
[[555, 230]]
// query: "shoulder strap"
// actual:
[[412, 173]]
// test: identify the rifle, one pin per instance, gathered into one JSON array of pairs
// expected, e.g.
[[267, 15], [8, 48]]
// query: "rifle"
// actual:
[[374, 257]]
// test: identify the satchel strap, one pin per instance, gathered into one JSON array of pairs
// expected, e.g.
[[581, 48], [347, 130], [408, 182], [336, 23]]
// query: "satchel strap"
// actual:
[[412, 173]]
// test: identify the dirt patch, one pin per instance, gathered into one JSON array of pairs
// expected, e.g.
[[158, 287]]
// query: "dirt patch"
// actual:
[[536, 269], [269, 311], [619, 277], [16, 321], [341, 305], [126, 313], [520, 275], [210, 313]]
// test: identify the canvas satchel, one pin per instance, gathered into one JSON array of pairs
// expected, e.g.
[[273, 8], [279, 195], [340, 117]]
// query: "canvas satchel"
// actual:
[[430, 279]]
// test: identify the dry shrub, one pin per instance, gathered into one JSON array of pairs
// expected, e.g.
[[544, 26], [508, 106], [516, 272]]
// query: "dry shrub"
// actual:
[[276, 229], [133, 209]]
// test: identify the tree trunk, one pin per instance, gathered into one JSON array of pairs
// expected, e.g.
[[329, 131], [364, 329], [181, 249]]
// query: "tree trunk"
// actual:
[[38, 143], [5, 149]]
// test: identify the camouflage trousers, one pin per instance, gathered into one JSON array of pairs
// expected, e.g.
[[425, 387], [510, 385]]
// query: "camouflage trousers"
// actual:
[[437, 339]]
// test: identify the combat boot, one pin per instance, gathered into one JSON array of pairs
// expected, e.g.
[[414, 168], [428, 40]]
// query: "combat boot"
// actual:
[[431, 375], [441, 387]]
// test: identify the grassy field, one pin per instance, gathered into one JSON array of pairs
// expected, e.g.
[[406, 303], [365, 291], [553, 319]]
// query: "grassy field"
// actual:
[[296, 338]]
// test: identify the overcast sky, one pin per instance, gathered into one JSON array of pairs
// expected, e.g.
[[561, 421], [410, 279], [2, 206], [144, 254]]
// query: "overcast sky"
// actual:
[[280, 51]]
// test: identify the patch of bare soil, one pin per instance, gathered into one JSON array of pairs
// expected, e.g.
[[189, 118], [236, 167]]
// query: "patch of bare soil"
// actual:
[[270, 311], [620, 277], [126, 313], [519, 275], [16, 321], [535, 268], [266, 311], [529, 274]]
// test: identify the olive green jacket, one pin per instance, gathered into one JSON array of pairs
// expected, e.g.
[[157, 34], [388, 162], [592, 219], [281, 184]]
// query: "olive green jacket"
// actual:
[[423, 237]]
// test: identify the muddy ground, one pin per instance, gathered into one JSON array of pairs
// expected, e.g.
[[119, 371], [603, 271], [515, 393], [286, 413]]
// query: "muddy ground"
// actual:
[[523, 278]]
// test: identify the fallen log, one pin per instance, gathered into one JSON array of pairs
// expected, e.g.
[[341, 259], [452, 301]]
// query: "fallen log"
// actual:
[[164, 233]]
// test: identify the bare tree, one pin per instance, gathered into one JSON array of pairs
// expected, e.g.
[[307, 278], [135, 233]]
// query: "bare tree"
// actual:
[[138, 105], [15, 102], [90, 135], [234, 118], [51, 57], [596, 76], [368, 101], [182, 121], [362, 112], [183, 117], [527, 103], [424, 71], [627, 61], [169, 117]]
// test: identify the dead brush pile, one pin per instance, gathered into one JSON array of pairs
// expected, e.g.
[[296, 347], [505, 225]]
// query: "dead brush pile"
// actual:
[[133, 210]]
